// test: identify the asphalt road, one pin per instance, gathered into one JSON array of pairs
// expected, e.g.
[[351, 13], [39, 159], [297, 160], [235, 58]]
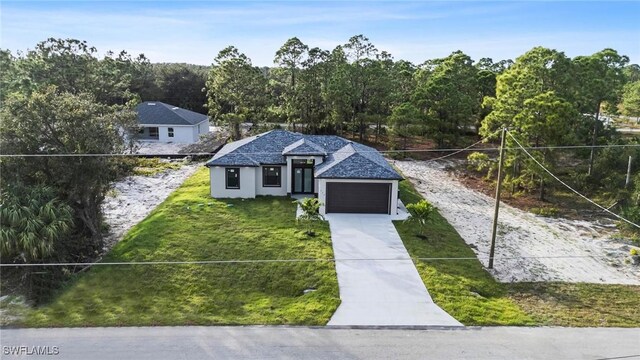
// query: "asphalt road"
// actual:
[[322, 343]]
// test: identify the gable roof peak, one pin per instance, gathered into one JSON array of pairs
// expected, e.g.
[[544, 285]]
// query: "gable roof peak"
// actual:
[[304, 146]]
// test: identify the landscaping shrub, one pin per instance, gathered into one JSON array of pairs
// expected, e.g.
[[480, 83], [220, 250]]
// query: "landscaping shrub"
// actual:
[[421, 213], [310, 212]]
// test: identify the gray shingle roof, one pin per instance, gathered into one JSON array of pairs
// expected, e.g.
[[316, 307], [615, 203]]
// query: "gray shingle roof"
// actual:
[[159, 113], [356, 161], [304, 146], [343, 158]]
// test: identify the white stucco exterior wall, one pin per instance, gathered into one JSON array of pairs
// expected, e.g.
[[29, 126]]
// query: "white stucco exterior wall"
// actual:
[[182, 134], [247, 183], [195, 132], [322, 191], [250, 183], [199, 129], [271, 190]]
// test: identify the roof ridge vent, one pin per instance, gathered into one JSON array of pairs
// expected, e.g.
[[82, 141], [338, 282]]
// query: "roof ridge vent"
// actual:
[[151, 103], [175, 108]]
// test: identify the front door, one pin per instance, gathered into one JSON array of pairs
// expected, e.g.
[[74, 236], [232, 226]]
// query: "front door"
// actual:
[[302, 173]]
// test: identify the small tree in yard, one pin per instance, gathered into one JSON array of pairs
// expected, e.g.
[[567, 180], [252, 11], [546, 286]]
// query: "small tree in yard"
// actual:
[[310, 212], [421, 213]]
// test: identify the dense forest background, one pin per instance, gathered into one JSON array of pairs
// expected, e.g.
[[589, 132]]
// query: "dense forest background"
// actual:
[[62, 98]]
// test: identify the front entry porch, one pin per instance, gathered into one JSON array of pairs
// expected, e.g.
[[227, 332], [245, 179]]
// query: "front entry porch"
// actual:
[[302, 178]]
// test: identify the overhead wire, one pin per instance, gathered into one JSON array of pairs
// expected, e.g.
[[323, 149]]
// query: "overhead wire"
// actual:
[[570, 188], [303, 260], [461, 150], [455, 150]]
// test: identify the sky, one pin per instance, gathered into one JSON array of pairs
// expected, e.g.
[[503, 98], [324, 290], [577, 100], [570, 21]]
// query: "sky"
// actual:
[[194, 32]]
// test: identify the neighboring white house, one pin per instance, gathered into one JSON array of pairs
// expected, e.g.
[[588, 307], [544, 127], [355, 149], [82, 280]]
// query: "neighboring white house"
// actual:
[[347, 177], [170, 124]]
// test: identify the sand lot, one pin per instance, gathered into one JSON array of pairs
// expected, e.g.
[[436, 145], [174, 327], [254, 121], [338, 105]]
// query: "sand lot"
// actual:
[[528, 247], [133, 198], [158, 148]]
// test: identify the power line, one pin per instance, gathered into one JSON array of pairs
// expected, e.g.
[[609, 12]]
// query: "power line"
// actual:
[[305, 260], [455, 150], [572, 189]]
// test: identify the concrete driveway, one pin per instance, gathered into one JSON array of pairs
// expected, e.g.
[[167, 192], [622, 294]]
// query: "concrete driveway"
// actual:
[[379, 284]]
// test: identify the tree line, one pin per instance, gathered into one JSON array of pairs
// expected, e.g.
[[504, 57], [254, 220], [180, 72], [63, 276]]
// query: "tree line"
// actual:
[[352, 89], [355, 87]]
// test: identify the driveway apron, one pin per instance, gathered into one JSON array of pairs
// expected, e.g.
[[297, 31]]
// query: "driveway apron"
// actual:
[[379, 284]]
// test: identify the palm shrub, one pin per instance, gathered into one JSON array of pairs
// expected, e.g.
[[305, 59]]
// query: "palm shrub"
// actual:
[[421, 214], [34, 225], [310, 212], [32, 220]]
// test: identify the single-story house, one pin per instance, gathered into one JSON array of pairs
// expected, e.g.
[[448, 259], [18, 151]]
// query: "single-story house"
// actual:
[[167, 123], [346, 176]]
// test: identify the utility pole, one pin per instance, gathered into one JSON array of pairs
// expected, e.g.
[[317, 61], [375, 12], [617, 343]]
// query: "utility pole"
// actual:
[[492, 250], [628, 181]]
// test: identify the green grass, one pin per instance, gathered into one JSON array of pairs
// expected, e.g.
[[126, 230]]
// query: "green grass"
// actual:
[[465, 289], [190, 225], [461, 287], [152, 166], [565, 304]]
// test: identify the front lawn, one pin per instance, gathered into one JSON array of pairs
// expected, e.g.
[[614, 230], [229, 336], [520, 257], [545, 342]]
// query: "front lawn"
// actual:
[[566, 304], [191, 226], [461, 287], [465, 289]]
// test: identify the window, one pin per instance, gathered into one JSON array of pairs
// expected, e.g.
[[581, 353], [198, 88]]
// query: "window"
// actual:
[[170, 130], [140, 130], [303, 161], [271, 176], [232, 178], [153, 132]]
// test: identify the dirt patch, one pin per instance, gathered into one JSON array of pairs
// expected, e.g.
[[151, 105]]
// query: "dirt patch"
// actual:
[[134, 197], [208, 144], [529, 248], [480, 184], [158, 148]]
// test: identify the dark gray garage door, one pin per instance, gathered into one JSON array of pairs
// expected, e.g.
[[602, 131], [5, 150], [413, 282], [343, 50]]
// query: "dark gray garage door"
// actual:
[[358, 197]]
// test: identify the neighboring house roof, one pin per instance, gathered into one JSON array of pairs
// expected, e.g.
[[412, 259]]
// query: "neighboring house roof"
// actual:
[[342, 158], [159, 113]]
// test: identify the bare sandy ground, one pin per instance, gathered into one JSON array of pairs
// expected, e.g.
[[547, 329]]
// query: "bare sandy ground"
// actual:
[[528, 247], [133, 198], [155, 148]]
